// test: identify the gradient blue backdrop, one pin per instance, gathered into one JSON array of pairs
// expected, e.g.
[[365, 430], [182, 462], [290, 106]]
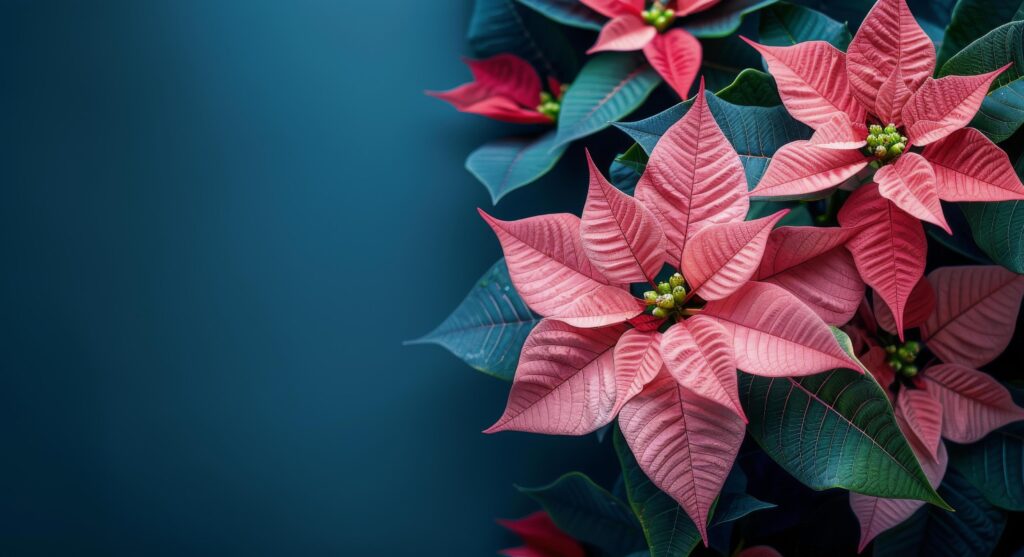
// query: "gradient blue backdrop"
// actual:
[[219, 221]]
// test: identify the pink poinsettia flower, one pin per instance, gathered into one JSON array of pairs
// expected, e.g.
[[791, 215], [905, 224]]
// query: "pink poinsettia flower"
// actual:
[[541, 538], [674, 53], [666, 363], [507, 88], [877, 105], [966, 317]]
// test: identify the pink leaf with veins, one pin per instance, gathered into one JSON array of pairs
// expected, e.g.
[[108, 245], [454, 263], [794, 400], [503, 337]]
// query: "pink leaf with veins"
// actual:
[[620, 236], [889, 250], [615, 8], [812, 80], [975, 313], [505, 87], [799, 169], [829, 284], [624, 33], [942, 106], [566, 382], [687, 7], [776, 335], [685, 443], [790, 246], [877, 514], [840, 133], [542, 538], [923, 414], [694, 178], [969, 167], [910, 184], [722, 257], [637, 361], [919, 308], [873, 59], [675, 55], [549, 269], [973, 403], [698, 354]]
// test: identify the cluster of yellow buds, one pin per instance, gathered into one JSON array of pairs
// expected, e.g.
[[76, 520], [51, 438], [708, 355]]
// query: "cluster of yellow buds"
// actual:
[[549, 105], [668, 295], [902, 358], [659, 16], [886, 143]]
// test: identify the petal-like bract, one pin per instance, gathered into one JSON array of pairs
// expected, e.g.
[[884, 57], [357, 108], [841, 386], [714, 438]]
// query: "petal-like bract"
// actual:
[[637, 362], [505, 87], [624, 33], [910, 184], [800, 169], [943, 106], [969, 167], [923, 416], [919, 308], [675, 55], [722, 257], [840, 133], [698, 353], [542, 538], [973, 403], [615, 8]]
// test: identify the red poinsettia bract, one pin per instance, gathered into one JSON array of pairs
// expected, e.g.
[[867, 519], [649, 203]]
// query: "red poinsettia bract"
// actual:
[[966, 317], [674, 53], [542, 538], [878, 105], [664, 364], [507, 88]]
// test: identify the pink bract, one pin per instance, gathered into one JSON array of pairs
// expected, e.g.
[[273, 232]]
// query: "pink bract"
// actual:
[[505, 87], [541, 537], [670, 374]]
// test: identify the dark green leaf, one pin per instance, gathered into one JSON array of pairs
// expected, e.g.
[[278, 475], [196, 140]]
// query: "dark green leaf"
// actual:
[[509, 164], [834, 429], [799, 214], [502, 26], [666, 526], [751, 88], [723, 18], [756, 132], [997, 228], [972, 531], [567, 12], [972, 19], [610, 86], [626, 169], [960, 240], [1002, 112], [587, 512], [785, 24], [725, 58], [995, 466], [489, 327]]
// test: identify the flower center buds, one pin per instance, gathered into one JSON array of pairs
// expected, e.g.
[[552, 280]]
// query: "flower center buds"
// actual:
[[549, 105], [902, 357], [669, 298], [885, 143], [659, 16]]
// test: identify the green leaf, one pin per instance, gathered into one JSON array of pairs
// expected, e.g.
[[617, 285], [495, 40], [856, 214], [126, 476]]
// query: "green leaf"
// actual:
[[587, 512], [667, 528], [724, 59], [785, 24], [751, 88], [489, 327], [509, 164], [972, 531], [502, 26], [834, 429], [626, 169], [610, 86], [756, 132], [723, 18], [995, 466], [1002, 111], [799, 214], [960, 241], [972, 19], [567, 12], [997, 228]]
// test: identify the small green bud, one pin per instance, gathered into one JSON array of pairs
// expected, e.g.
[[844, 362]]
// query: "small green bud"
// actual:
[[881, 151], [909, 371], [659, 313], [545, 97], [651, 297], [666, 301], [891, 349], [679, 293], [897, 149], [905, 355], [676, 280], [646, 14], [670, 13], [895, 364], [891, 128], [664, 288], [913, 346], [875, 129], [903, 139], [872, 141], [661, 22]]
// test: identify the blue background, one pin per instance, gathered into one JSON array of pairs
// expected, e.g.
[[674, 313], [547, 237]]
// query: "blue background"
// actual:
[[219, 221]]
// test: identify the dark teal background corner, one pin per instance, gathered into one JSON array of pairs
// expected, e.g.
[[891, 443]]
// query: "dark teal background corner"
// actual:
[[219, 221]]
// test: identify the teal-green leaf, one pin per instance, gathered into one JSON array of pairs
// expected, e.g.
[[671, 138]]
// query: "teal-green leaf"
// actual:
[[627, 168], [961, 240], [502, 26], [995, 466], [489, 327], [785, 24], [834, 429], [511, 163], [972, 531], [567, 12], [610, 86], [666, 527], [972, 19], [727, 57], [998, 228], [756, 132], [751, 88], [723, 18], [589, 513], [1002, 111]]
